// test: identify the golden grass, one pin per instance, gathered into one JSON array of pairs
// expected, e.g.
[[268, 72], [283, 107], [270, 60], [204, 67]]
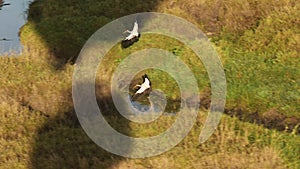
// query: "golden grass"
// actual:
[[39, 129]]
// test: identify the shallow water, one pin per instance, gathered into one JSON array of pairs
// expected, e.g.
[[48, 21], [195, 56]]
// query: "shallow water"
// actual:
[[143, 108], [13, 15]]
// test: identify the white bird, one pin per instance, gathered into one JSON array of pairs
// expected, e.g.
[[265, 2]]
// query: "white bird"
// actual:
[[143, 87], [134, 32], [132, 37]]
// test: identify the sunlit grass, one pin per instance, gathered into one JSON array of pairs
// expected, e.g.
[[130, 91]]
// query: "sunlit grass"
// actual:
[[32, 139], [258, 44]]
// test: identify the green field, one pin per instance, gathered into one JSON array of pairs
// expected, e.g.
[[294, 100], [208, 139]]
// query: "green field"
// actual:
[[258, 43]]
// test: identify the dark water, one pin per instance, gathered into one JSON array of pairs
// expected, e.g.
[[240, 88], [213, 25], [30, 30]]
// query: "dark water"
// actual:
[[13, 15]]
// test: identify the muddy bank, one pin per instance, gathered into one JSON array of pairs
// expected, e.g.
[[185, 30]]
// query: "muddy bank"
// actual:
[[271, 119]]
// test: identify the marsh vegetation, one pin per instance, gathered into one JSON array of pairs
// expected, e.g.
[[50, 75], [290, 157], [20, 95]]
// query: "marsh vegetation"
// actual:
[[258, 43]]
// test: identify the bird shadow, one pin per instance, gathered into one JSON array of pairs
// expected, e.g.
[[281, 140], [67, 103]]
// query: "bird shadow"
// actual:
[[126, 43]]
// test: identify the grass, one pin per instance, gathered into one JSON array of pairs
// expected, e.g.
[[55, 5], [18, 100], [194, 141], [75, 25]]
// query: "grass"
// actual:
[[258, 44], [42, 88], [32, 140], [261, 57]]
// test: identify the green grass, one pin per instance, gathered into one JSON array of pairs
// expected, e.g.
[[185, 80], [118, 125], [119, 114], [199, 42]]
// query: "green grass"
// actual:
[[258, 44], [258, 34], [262, 65], [32, 140]]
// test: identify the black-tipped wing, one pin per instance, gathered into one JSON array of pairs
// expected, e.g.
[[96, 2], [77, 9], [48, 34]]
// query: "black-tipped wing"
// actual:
[[145, 86]]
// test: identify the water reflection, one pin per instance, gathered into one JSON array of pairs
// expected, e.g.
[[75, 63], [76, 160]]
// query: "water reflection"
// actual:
[[13, 15], [143, 107], [2, 3]]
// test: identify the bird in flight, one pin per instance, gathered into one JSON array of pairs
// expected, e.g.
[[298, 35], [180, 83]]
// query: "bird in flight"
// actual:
[[133, 36], [142, 87]]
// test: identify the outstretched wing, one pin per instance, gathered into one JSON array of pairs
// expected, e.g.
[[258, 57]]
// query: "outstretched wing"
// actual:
[[135, 28], [140, 92], [146, 82], [134, 32], [143, 87]]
